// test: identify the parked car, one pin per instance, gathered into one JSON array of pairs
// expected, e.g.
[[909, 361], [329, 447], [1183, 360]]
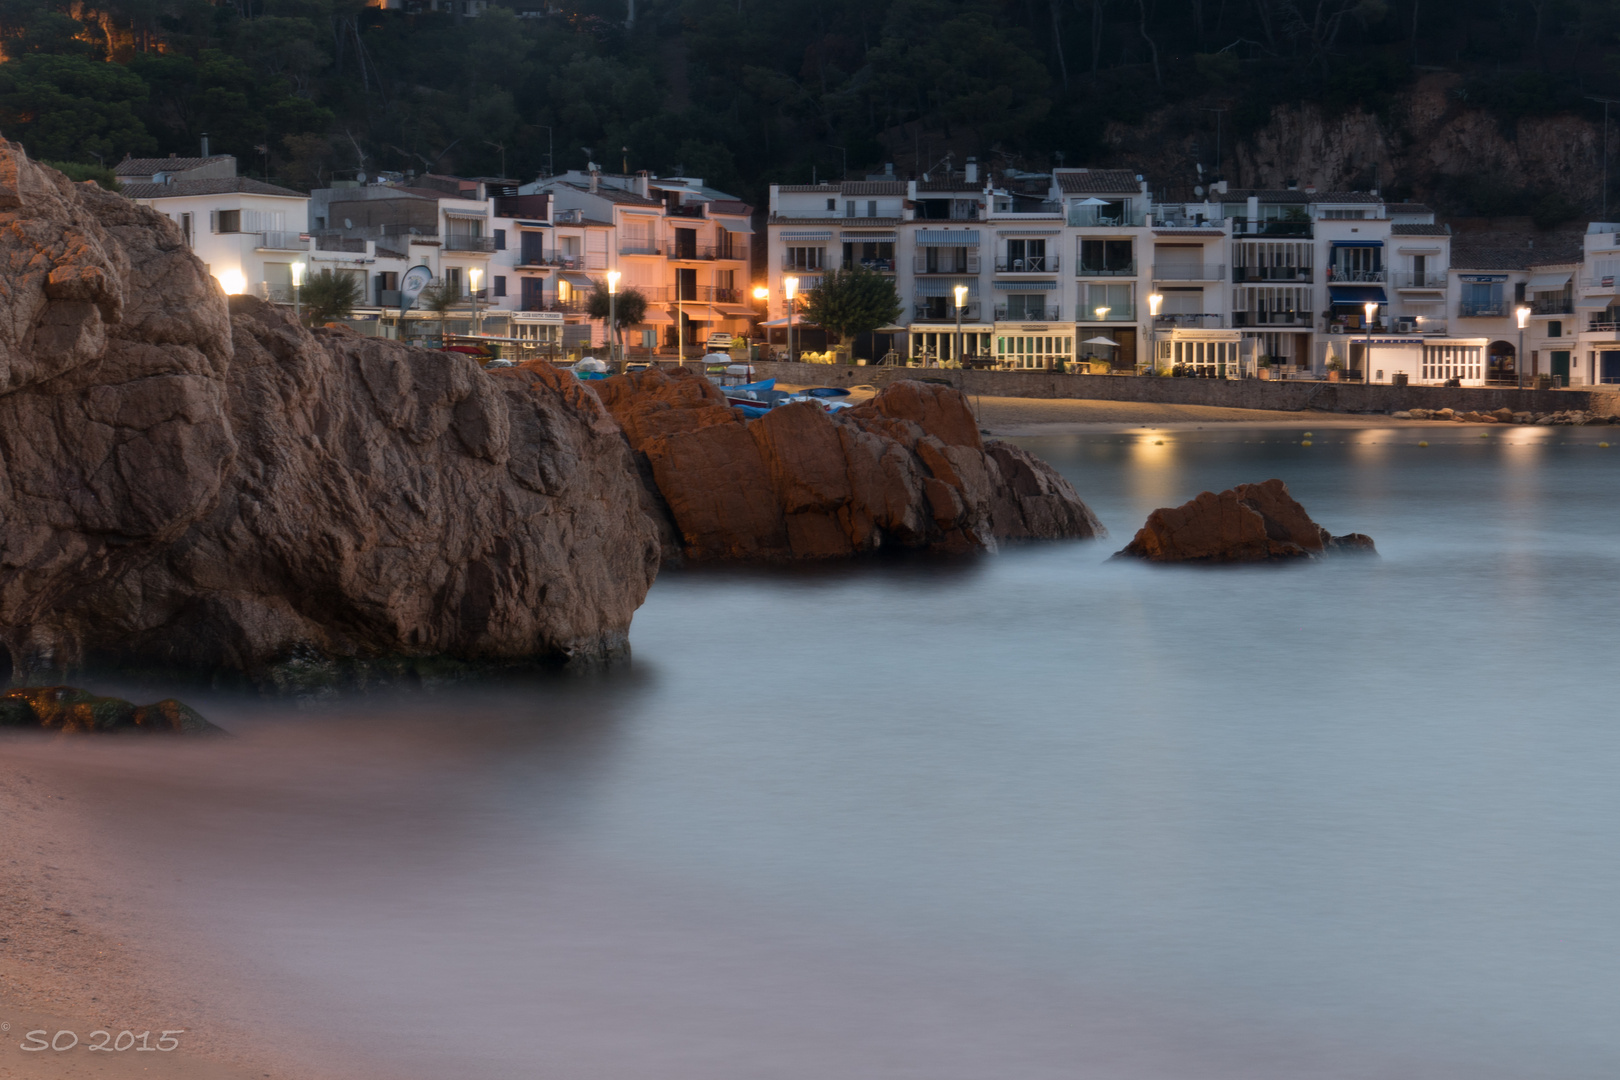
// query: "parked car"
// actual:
[[720, 341]]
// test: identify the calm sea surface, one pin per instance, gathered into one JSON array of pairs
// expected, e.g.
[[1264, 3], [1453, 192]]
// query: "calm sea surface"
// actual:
[[1037, 815]]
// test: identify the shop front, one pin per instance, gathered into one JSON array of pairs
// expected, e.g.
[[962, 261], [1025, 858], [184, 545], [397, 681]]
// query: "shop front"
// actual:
[[1033, 346]]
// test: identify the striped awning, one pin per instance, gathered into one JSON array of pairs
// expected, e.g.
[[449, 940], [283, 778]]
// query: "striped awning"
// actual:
[[948, 237], [869, 238], [1548, 282], [1023, 286], [1027, 232], [946, 286], [1596, 303], [579, 281], [824, 234]]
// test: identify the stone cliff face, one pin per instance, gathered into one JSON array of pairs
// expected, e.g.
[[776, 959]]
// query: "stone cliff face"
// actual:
[[906, 469], [189, 485]]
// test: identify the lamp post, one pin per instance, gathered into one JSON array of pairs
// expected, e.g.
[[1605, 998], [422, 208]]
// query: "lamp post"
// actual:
[[475, 277], [1153, 331], [1518, 361], [960, 293], [298, 282], [790, 287], [613, 315], [763, 295], [1370, 308], [1102, 316]]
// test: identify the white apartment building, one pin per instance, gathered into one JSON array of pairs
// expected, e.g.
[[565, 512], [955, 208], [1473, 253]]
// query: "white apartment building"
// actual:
[[246, 232]]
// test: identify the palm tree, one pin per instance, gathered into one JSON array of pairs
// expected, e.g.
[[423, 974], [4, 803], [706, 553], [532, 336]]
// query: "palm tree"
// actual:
[[441, 297], [629, 307], [328, 296]]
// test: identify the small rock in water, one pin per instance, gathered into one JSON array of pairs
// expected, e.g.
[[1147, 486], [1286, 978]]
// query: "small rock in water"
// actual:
[[67, 709], [1249, 523]]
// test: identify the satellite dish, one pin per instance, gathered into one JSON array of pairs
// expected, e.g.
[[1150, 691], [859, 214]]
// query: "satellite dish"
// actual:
[[347, 224], [1198, 190], [360, 177]]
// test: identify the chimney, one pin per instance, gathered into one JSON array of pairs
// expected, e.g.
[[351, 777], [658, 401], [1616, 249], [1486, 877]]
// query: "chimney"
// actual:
[[1291, 184], [205, 144], [643, 184], [1220, 186], [596, 175], [888, 169], [970, 172]]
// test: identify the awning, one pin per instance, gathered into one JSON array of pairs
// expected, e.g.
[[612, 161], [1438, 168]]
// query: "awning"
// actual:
[[1596, 303], [1027, 232], [1022, 286], [580, 281], [948, 237], [532, 225], [946, 286], [825, 234], [869, 238], [734, 225], [1356, 294], [468, 215], [784, 322], [1355, 243], [1548, 282], [696, 312], [656, 316], [735, 311]]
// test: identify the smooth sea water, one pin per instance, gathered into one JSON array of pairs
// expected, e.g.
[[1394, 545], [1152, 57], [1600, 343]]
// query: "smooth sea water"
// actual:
[[1034, 815]]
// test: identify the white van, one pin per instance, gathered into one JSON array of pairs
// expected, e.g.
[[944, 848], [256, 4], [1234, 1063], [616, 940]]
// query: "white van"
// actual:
[[720, 341]]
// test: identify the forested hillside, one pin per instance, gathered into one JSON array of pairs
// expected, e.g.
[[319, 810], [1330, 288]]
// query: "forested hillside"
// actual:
[[745, 92]]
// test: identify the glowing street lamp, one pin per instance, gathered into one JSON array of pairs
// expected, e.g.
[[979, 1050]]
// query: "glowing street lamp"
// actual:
[[233, 282], [790, 288], [1370, 308], [298, 282], [960, 292], [1518, 361], [475, 278], [613, 312], [1153, 330]]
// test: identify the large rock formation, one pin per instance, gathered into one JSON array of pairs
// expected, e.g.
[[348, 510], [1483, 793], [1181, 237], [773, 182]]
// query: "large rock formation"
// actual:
[[906, 469], [184, 484], [1249, 523]]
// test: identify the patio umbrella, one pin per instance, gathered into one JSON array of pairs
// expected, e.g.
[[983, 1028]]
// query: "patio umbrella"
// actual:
[[1092, 201], [1100, 341]]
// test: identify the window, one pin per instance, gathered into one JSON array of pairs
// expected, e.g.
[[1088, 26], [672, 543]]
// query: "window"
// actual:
[[832, 205], [849, 208], [227, 221], [872, 255], [1116, 298], [1026, 255], [500, 285], [185, 227], [871, 208], [452, 277], [806, 258], [500, 239], [1107, 257], [1344, 215], [1026, 306]]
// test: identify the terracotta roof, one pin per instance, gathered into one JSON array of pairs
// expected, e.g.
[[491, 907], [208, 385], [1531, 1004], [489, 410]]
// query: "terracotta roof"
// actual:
[[1409, 208], [810, 189], [1419, 230], [873, 187], [730, 206], [225, 185], [146, 166], [616, 195], [1487, 253], [952, 185], [1213, 230], [1553, 249], [1104, 181], [1346, 197], [1265, 195], [837, 222]]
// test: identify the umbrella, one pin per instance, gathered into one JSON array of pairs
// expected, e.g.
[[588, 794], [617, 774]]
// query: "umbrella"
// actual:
[[1100, 341], [468, 349], [591, 363], [1092, 201]]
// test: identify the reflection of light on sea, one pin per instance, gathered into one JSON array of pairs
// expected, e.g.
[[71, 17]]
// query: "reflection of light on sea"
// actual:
[[1156, 476]]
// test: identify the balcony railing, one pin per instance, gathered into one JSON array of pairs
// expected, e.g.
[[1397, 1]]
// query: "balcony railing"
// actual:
[[1126, 313], [1563, 305], [635, 245], [340, 243], [1349, 275], [1206, 272], [1103, 217], [569, 307], [1270, 318], [1178, 218], [1190, 322], [1602, 326], [1602, 281], [698, 294], [1270, 227], [927, 313], [454, 242], [1004, 313], [1085, 269], [283, 241], [801, 266], [1029, 264], [1482, 309], [968, 264], [1418, 279], [689, 210], [882, 266], [1241, 274]]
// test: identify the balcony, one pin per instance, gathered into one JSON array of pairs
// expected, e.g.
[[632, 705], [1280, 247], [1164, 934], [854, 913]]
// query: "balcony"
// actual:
[[708, 252], [1206, 272], [801, 266], [1251, 319], [947, 313], [1029, 264], [882, 266], [1103, 217], [533, 207], [1603, 281], [348, 244], [1269, 274], [688, 210], [921, 264], [283, 241], [1346, 275], [1482, 309], [1126, 313], [1166, 217], [1562, 305], [568, 307], [1429, 280], [1004, 313], [1190, 322], [1271, 228], [1085, 269], [700, 294], [454, 242], [640, 245]]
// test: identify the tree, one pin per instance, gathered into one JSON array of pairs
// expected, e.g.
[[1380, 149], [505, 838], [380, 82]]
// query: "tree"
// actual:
[[629, 307], [441, 297], [79, 173], [328, 296], [70, 108], [853, 301]]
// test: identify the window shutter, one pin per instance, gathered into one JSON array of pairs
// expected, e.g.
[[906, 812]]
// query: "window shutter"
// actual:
[[213, 221]]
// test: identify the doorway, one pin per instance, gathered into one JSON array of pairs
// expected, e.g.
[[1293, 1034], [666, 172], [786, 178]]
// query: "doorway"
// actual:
[[1560, 366]]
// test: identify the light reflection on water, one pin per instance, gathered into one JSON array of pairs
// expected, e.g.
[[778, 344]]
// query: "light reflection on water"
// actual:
[[1037, 815]]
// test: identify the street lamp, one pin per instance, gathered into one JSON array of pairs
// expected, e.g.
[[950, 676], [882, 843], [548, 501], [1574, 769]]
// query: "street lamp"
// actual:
[[1153, 330], [1518, 361], [790, 287], [475, 277], [960, 293], [298, 281], [1370, 308], [763, 295], [613, 313]]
